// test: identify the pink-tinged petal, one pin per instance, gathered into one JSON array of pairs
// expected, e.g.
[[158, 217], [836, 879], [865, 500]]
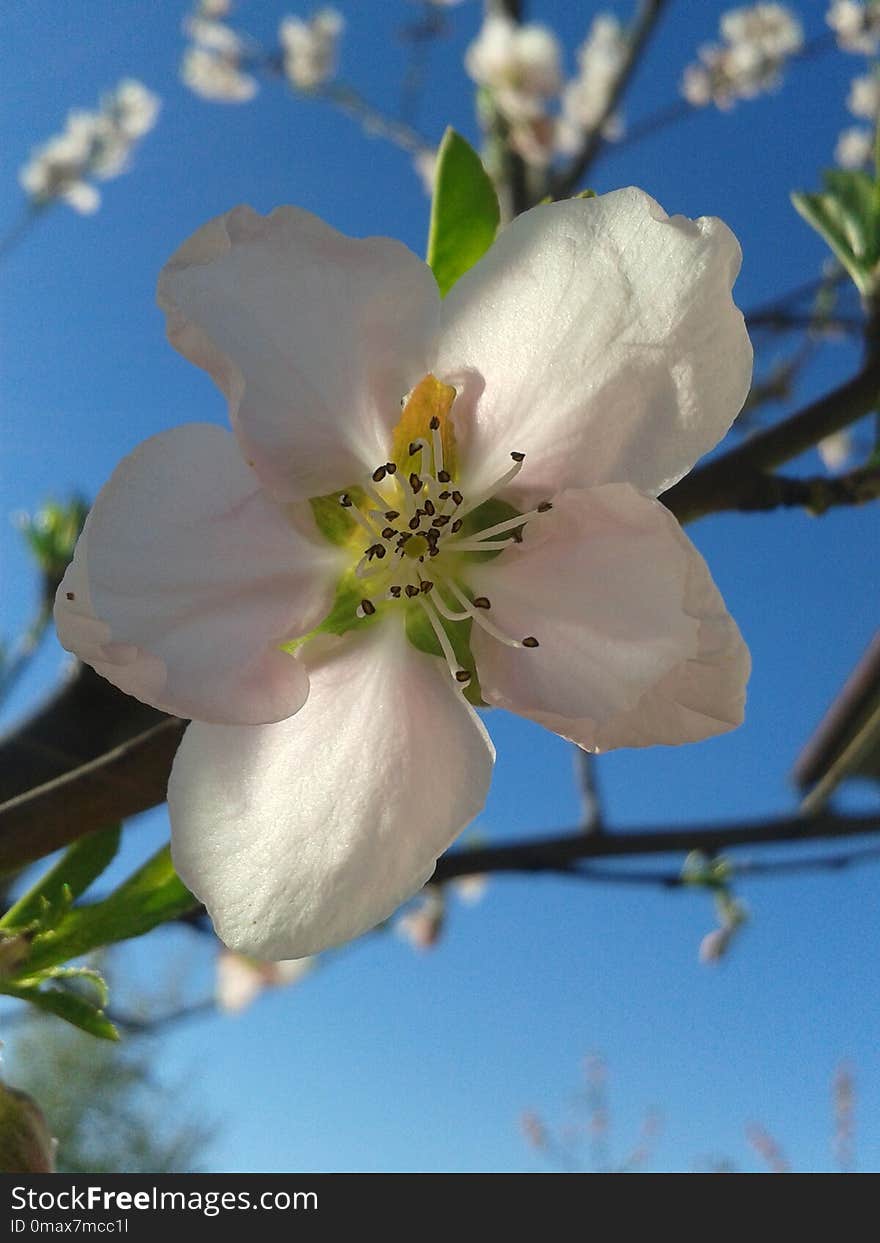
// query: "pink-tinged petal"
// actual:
[[186, 579], [314, 338], [608, 342], [303, 835], [636, 646]]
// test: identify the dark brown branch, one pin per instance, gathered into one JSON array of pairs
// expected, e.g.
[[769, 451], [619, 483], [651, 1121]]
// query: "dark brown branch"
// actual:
[[738, 479], [564, 853], [643, 26]]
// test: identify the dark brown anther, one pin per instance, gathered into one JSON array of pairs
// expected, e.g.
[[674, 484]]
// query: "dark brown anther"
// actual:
[[518, 457], [391, 514], [456, 526], [415, 483], [445, 495], [441, 520], [517, 535], [394, 591], [414, 524], [426, 585], [70, 595], [380, 551], [388, 533], [457, 498], [544, 506], [379, 474], [433, 551], [434, 424], [368, 608], [463, 676], [391, 468], [429, 509], [482, 602], [530, 641], [411, 591], [414, 449], [345, 501], [443, 476]]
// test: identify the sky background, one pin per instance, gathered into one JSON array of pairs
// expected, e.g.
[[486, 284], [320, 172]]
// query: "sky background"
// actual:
[[385, 1058]]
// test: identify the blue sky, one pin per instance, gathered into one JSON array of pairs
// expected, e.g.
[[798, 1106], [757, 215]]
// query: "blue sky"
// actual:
[[386, 1059]]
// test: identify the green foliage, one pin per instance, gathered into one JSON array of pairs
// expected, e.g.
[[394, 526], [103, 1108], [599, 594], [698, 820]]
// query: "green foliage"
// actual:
[[51, 534], [847, 215], [464, 213], [44, 929], [26, 1145]]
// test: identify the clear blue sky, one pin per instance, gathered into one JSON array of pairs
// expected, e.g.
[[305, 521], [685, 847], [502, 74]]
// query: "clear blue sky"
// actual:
[[385, 1059]]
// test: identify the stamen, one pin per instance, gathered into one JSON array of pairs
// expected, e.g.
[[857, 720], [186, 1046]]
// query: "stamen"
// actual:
[[437, 446], [366, 608], [487, 493], [484, 623], [346, 502], [461, 676], [511, 523]]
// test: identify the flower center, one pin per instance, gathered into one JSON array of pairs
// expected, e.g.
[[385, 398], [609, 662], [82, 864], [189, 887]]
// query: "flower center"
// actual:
[[419, 532]]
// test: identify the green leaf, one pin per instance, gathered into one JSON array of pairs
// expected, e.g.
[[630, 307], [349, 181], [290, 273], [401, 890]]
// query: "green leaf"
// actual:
[[66, 1005], [71, 875], [464, 213], [846, 214], [153, 895]]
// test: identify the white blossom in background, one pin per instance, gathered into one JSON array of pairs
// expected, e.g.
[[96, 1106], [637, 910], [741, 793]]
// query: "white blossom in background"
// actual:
[[93, 145], [240, 980], [425, 164], [863, 100], [471, 889], [857, 25], [311, 47], [520, 65], [855, 147], [757, 40], [422, 925], [837, 450], [212, 65], [585, 98]]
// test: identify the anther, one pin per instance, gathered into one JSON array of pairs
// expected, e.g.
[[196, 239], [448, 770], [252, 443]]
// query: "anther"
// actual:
[[518, 457], [482, 602], [456, 526], [391, 468], [411, 591], [445, 494], [457, 498], [463, 676], [366, 608], [429, 509], [70, 595], [434, 424], [544, 506], [376, 550], [391, 514], [388, 533], [414, 523], [440, 521], [425, 585], [530, 641], [415, 483], [433, 551], [443, 476], [394, 592], [379, 474], [414, 448], [345, 501]]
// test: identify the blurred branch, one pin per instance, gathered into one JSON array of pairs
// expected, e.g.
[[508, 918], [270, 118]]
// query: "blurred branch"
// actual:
[[643, 25]]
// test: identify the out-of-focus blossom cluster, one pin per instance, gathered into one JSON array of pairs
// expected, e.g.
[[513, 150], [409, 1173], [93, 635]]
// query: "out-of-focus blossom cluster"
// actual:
[[92, 146], [422, 925], [311, 47], [837, 451], [521, 67], [213, 64], [241, 980], [756, 41], [855, 146], [856, 24]]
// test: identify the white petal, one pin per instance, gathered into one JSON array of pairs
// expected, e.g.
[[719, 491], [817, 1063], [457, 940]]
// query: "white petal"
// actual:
[[608, 341], [302, 835], [636, 646], [314, 338], [187, 578]]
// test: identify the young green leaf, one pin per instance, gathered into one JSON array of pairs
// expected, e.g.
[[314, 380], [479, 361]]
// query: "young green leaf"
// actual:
[[464, 213], [71, 875], [66, 1005]]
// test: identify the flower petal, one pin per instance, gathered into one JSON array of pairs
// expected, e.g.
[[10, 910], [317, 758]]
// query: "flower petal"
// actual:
[[303, 835], [186, 579], [314, 337], [636, 646], [608, 342]]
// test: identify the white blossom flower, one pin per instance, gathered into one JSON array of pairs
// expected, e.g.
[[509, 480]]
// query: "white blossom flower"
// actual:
[[757, 41], [471, 889], [857, 25], [423, 925], [240, 980], [837, 450], [715, 945], [425, 164], [864, 97], [855, 147], [519, 64], [216, 77], [426, 503], [310, 47], [93, 144], [585, 98]]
